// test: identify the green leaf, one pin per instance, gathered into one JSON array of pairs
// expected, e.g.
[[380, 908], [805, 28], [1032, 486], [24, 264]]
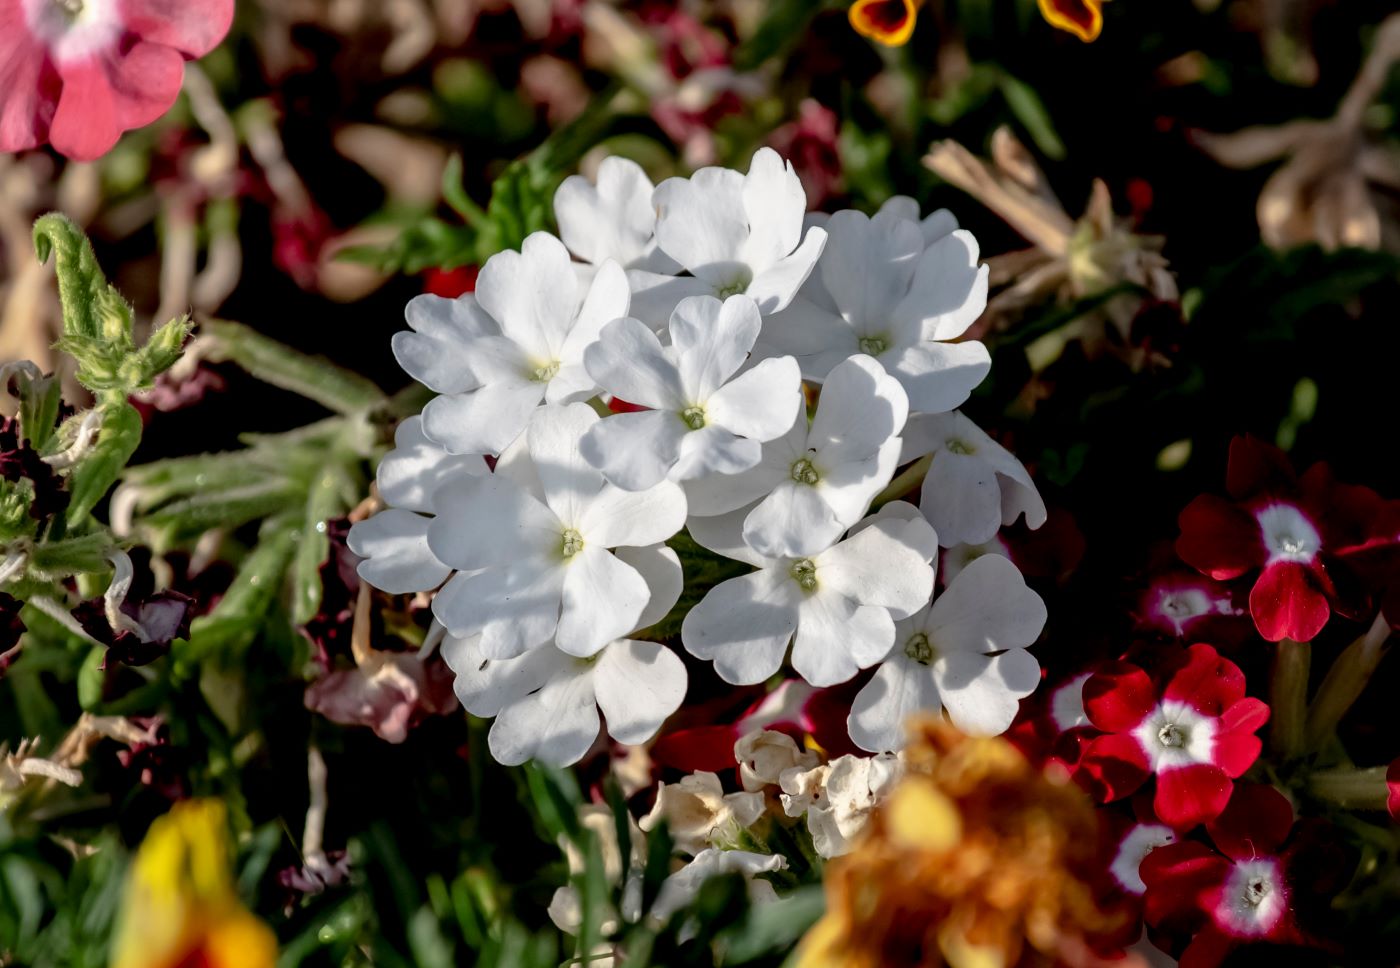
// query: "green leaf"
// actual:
[[770, 929], [1030, 110], [81, 283], [329, 496], [72, 556], [313, 377], [95, 474], [40, 400]]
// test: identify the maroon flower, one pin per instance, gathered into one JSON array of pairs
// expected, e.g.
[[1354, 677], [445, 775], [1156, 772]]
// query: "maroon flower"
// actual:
[[156, 622], [810, 143], [20, 462], [1191, 726], [11, 628]]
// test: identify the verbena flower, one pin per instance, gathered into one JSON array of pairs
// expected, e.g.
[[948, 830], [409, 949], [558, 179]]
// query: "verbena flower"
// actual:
[[837, 798], [546, 702], [698, 813], [612, 218], [879, 289], [964, 653], [77, 73], [703, 418]]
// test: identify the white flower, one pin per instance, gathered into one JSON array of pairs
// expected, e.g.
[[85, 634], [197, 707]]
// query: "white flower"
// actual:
[[836, 607], [735, 233], [517, 342], [953, 560], [974, 485], [814, 482], [879, 290], [765, 754], [394, 542], [966, 653], [535, 542], [838, 797], [699, 814], [683, 887], [932, 227], [703, 419], [613, 219], [546, 701]]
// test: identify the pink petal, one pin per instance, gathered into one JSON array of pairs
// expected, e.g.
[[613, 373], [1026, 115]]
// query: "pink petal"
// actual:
[[29, 88], [112, 92], [1118, 697], [1190, 795], [1286, 604], [1218, 539], [1255, 824], [192, 27], [1207, 682]]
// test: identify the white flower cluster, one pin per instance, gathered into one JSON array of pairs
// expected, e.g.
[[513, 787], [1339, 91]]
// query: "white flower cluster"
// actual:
[[715, 307]]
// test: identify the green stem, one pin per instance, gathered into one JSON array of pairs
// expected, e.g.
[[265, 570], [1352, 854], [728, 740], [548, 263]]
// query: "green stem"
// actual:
[[1289, 696], [1345, 682], [1353, 789]]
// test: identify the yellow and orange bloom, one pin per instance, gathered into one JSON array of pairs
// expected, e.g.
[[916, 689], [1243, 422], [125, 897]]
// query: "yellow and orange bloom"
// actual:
[[1083, 18], [180, 907], [888, 22], [977, 860]]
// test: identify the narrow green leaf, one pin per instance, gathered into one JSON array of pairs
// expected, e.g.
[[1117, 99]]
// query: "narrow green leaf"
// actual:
[[326, 498], [313, 377], [38, 409], [1030, 110], [95, 474]]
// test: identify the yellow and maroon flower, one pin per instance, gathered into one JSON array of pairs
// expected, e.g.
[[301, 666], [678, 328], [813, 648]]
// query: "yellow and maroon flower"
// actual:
[[1083, 18], [888, 22]]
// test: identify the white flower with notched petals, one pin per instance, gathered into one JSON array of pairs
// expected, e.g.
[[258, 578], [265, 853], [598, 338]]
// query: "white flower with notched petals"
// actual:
[[837, 607], [533, 542], [546, 702], [966, 653], [735, 233], [814, 482], [702, 418], [516, 343], [612, 219], [838, 798], [699, 814], [879, 290], [394, 542], [974, 485]]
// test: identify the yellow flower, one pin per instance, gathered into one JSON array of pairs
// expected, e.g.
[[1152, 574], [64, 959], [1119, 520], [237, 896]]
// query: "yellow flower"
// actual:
[[977, 860], [1083, 18], [180, 909], [888, 22]]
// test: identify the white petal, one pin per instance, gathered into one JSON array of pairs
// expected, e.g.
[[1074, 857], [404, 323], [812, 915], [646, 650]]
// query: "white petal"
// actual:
[[917, 533], [744, 625], [569, 481], [394, 544], [607, 299], [867, 265], [486, 521], [482, 421], [760, 403], [900, 206], [412, 472], [514, 607], [629, 361], [810, 333], [655, 297], [774, 288], [774, 204], [836, 637], [486, 686], [987, 608], [982, 693], [603, 599], [660, 568], [712, 339], [937, 225], [949, 290], [1018, 499], [701, 223], [899, 689], [724, 535], [556, 725], [850, 487], [635, 451], [532, 294], [961, 499], [614, 517], [613, 220], [940, 376], [721, 493], [877, 567], [435, 352], [638, 684], [794, 521], [515, 465], [861, 407], [714, 450]]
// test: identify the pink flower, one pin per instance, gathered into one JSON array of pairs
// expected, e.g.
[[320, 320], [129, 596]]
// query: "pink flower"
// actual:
[[390, 692], [1192, 727], [77, 73], [1267, 878]]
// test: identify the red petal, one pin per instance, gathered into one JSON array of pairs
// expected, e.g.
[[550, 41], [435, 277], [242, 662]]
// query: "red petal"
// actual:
[[1207, 682], [1236, 752], [1246, 716], [1392, 783], [1118, 697], [1083, 18], [888, 22], [1208, 949], [1286, 604], [1256, 822], [1112, 767], [704, 748], [192, 27], [1190, 795], [1219, 539], [1256, 466], [1177, 877], [112, 92]]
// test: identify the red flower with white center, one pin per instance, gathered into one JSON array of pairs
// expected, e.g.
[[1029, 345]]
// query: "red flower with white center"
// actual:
[[77, 73], [1192, 727], [1184, 606], [1288, 529], [1253, 890]]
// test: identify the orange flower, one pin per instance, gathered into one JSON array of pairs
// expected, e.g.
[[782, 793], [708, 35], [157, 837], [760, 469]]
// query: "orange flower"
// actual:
[[977, 860], [1083, 18], [888, 22]]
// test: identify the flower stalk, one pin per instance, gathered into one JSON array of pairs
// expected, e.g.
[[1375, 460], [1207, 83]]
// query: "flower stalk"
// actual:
[[1288, 697], [1350, 788], [1345, 681]]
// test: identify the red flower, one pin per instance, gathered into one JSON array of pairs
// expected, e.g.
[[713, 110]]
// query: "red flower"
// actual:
[[1194, 731], [450, 283], [77, 73], [1392, 785], [1251, 890], [1286, 528]]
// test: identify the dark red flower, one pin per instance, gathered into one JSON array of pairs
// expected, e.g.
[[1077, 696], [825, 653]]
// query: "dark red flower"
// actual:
[[810, 143], [1191, 726], [1189, 607], [1392, 785], [157, 620], [450, 283], [11, 628], [20, 462]]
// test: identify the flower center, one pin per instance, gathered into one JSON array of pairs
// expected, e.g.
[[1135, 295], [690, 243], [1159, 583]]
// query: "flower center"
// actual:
[[544, 372], [738, 285], [919, 648], [70, 8], [694, 417], [874, 345], [1256, 890], [1288, 534], [804, 473], [572, 543], [804, 572], [956, 446], [1172, 736]]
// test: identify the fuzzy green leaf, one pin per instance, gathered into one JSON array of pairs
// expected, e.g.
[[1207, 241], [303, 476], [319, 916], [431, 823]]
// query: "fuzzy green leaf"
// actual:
[[95, 474]]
